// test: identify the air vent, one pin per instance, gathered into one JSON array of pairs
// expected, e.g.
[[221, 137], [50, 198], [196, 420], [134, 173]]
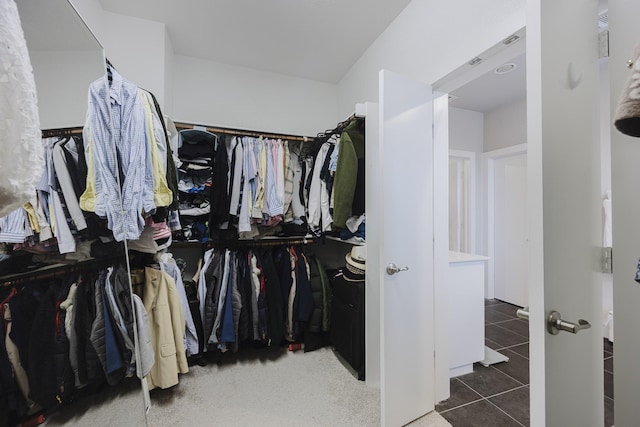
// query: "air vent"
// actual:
[[603, 20], [452, 97], [510, 39], [475, 61]]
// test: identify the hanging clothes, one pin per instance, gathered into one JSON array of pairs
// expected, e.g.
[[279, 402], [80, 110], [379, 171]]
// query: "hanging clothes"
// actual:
[[349, 177], [167, 322], [125, 166]]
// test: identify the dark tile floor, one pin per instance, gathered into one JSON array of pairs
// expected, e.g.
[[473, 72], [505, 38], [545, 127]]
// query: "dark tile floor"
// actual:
[[498, 395]]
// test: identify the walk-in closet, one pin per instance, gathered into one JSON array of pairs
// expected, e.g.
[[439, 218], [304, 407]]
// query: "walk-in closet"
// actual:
[[268, 213]]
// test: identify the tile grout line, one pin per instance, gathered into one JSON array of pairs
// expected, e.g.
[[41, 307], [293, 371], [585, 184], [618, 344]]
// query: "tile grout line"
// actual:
[[504, 412], [513, 332], [463, 405], [518, 381]]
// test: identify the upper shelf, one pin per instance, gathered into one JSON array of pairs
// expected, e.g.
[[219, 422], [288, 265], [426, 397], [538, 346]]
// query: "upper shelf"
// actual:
[[464, 257]]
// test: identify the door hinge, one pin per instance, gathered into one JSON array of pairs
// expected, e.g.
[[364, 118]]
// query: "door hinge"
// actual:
[[607, 262], [603, 44]]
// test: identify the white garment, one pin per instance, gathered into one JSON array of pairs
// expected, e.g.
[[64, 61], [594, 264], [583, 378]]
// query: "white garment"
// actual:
[[279, 169], [21, 163], [319, 213], [297, 205]]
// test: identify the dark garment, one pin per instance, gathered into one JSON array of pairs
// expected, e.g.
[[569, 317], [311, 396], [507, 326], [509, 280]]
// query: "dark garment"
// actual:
[[12, 405], [64, 373], [219, 188], [46, 356], [89, 366], [197, 143], [244, 289], [227, 333], [263, 306], [113, 358], [24, 307], [102, 335], [213, 282], [303, 304], [119, 283], [71, 150], [357, 208], [318, 278], [274, 298], [282, 261], [325, 174]]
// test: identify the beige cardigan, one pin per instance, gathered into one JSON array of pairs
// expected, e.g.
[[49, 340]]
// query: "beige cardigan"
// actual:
[[167, 325]]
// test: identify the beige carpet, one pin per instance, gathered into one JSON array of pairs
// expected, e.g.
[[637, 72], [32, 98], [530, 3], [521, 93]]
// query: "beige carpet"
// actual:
[[250, 388]]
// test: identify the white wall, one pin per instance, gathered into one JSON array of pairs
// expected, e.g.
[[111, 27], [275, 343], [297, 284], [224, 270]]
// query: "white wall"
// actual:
[[466, 129], [212, 93], [62, 83], [169, 59], [136, 47], [428, 40], [506, 126]]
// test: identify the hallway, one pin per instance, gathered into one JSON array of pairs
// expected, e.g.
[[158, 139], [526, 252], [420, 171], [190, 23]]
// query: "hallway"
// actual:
[[498, 395]]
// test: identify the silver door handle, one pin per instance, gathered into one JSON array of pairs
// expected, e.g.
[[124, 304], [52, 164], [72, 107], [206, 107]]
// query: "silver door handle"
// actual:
[[523, 313], [555, 324], [393, 269]]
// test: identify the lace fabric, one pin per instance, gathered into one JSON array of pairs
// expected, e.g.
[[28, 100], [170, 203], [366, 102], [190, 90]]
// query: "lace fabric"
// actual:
[[21, 152]]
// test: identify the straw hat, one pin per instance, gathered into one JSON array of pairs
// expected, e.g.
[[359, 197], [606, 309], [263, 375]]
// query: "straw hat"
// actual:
[[354, 270]]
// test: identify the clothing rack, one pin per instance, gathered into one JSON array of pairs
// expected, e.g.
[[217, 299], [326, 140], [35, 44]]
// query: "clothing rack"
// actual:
[[258, 243], [324, 136], [240, 132], [49, 133], [54, 270]]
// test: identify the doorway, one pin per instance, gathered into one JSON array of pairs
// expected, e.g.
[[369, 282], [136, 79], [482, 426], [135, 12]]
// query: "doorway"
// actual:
[[507, 240]]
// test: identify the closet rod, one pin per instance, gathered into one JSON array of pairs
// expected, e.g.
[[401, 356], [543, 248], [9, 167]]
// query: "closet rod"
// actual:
[[257, 243], [54, 270], [49, 133], [240, 132]]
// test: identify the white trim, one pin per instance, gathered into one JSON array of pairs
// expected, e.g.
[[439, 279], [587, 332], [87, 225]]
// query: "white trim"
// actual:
[[471, 156], [488, 160], [441, 244]]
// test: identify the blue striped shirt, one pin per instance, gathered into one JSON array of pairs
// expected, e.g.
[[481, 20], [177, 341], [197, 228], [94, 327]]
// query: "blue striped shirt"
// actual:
[[116, 134]]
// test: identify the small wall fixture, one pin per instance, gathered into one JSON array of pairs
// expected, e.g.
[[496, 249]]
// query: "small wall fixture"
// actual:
[[505, 68]]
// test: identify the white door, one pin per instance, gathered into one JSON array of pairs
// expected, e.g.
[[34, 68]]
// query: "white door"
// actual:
[[510, 250], [406, 239], [625, 173], [564, 211]]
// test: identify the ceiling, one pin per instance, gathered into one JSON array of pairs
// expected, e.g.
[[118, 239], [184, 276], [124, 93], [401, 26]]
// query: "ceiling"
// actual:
[[491, 91], [312, 39]]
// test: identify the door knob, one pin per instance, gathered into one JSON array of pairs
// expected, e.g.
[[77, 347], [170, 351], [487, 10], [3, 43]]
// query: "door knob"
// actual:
[[393, 269], [555, 324]]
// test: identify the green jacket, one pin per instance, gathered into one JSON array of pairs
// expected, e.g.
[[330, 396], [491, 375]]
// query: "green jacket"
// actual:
[[344, 185]]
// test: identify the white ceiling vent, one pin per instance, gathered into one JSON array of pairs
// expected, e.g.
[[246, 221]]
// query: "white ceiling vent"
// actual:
[[512, 38], [475, 61], [603, 20]]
